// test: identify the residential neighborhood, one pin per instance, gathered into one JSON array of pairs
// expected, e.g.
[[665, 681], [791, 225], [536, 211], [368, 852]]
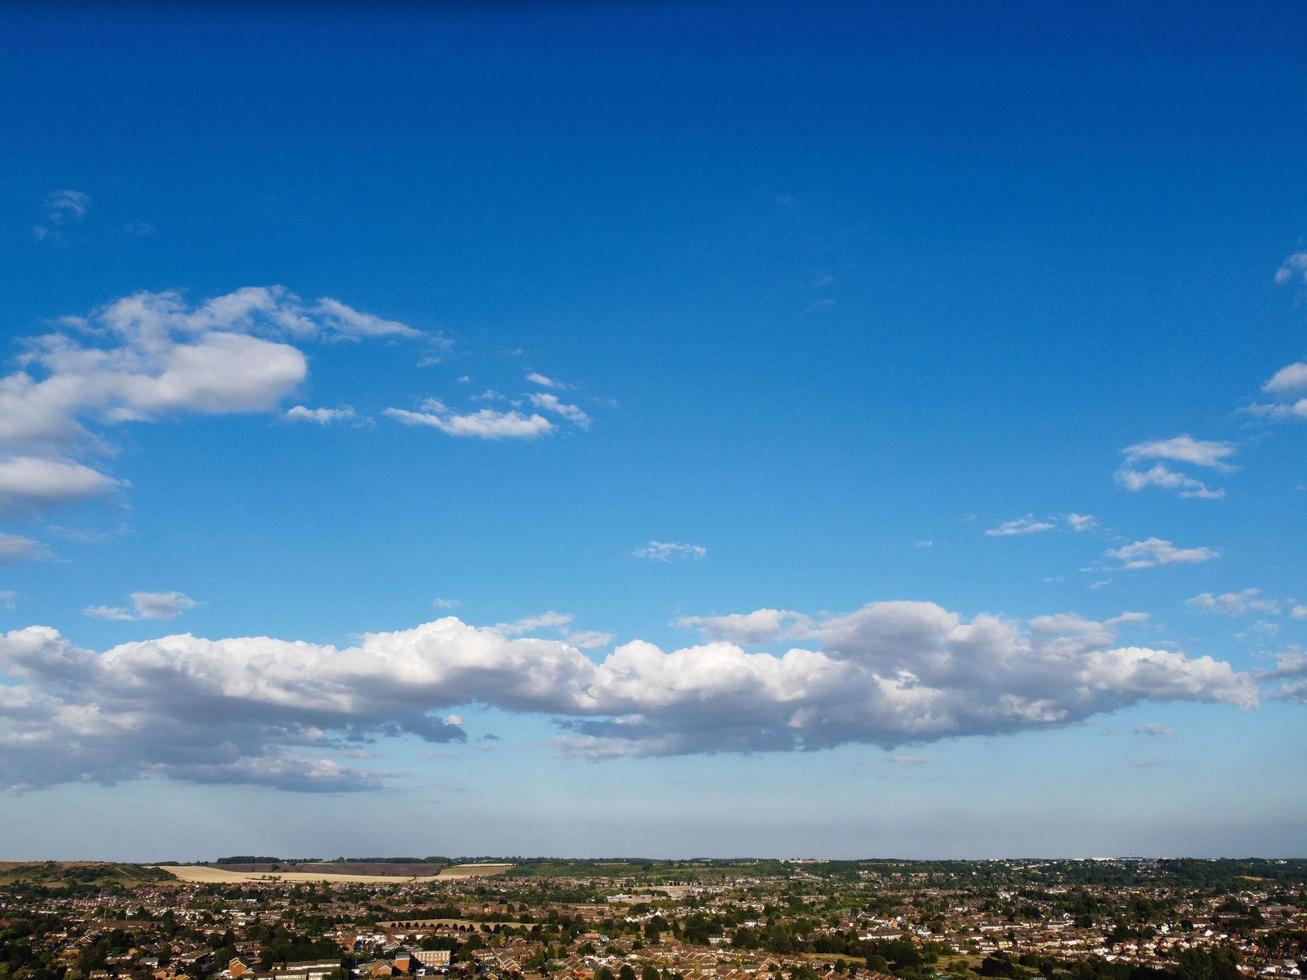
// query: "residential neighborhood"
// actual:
[[1128, 919]]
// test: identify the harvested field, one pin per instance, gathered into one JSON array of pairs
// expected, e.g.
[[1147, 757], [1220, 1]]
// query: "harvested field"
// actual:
[[203, 873]]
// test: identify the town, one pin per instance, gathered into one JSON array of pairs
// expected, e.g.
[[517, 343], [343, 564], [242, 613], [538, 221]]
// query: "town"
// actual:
[[256, 918]]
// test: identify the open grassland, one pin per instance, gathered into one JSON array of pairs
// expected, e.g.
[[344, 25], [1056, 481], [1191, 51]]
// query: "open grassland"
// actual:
[[204, 873]]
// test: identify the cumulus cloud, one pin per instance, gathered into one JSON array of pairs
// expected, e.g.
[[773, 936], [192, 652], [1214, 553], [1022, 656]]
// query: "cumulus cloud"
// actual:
[[31, 484], [146, 605], [150, 356], [486, 423], [1166, 479], [14, 549], [551, 403], [1234, 603], [263, 710], [1020, 525], [1081, 522], [1154, 552], [665, 551], [319, 416]]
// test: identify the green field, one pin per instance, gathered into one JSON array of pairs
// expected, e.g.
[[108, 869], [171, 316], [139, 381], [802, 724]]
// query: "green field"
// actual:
[[61, 874]]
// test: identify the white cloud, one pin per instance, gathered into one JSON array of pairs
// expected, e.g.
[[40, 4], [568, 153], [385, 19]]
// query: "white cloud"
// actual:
[[14, 548], [536, 378], [548, 620], [665, 551], [1279, 411], [1291, 670], [1287, 382], [1298, 612], [1154, 729], [923, 543], [590, 639], [150, 356], [67, 205], [9, 599], [30, 484], [319, 416], [1234, 603], [1153, 552], [146, 605], [61, 208], [346, 323], [1020, 525], [446, 603], [755, 628], [1293, 269], [571, 413], [483, 424], [1081, 522], [1166, 479], [1184, 448], [1290, 378], [248, 709]]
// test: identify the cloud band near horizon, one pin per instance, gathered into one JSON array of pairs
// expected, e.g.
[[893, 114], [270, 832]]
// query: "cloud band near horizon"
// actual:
[[265, 711]]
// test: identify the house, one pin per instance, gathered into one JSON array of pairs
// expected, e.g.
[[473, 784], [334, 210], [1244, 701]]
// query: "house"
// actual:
[[307, 970]]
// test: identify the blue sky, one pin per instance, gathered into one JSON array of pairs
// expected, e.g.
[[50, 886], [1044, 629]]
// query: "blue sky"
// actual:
[[666, 429]]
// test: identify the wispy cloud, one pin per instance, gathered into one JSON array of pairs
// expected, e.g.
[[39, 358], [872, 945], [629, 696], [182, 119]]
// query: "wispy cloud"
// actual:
[[1019, 526], [486, 423], [1155, 552], [536, 378], [320, 416], [665, 551], [1154, 729], [1163, 478], [62, 208], [1234, 603], [1293, 269], [15, 549], [548, 620], [1184, 448], [146, 605], [550, 403]]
